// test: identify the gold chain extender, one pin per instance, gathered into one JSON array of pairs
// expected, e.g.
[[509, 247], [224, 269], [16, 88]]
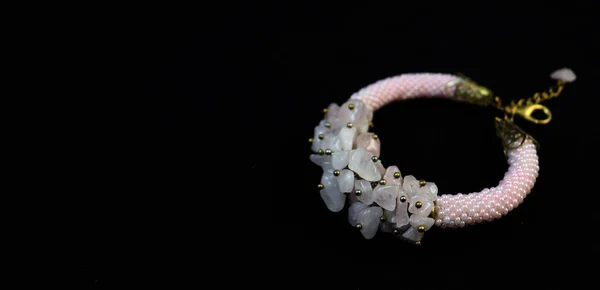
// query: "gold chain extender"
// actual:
[[512, 136], [526, 107]]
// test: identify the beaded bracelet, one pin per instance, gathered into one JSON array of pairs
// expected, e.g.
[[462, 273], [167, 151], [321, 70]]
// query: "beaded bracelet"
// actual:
[[381, 198]]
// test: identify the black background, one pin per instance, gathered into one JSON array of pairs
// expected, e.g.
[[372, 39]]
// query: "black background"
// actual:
[[277, 66]]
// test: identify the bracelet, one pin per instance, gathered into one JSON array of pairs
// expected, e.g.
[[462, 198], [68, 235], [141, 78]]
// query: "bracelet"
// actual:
[[381, 198]]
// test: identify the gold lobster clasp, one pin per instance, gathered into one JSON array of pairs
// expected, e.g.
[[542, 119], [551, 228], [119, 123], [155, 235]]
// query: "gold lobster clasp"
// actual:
[[526, 111]]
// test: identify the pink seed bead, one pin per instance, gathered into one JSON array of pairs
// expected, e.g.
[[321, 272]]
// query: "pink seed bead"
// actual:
[[486, 216]]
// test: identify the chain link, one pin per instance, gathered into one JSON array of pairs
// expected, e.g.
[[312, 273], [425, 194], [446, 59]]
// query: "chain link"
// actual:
[[544, 96]]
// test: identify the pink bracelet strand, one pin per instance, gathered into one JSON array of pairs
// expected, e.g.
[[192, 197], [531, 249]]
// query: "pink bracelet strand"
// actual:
[[460, 210], [406, 86], [380, 198]]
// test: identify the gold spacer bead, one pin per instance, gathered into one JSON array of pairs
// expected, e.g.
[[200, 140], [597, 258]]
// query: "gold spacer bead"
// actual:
[[403, 198], [371, 125], [321, 186], [432, 214], [374, 158], [351, 106], [422, 182], [418, 204], [325, 111], [383, 182], [375, 136], [359, 226], [328, 124], [421, 228], [349, 125], [321, 152], [396, 175], [321, 136], [383, 218], [310, 140], [418, 243], [336, 172], [328, 151]]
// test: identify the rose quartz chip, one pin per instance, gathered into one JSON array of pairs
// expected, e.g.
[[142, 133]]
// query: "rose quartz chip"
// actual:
[[564, 74], [390, 177], [366, 141]]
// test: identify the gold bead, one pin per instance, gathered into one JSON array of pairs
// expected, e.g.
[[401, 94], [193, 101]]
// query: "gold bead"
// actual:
[[396, 175], [383, 218], [371, 125], [321, 152], [422, 182], [418, 243], [310, 140], [325, 111], [375, 136], [336, 172], [351, 106], [418, 204], [349, 125], [383, 182], [374, 158], [321, 186], [328, 151], [327, 124], [321, 136], [358, 192], [359, 226], [403, 198], [421, 228]]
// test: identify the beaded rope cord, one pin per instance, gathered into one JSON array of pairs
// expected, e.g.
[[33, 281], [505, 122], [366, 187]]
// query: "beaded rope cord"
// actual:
[[381, 198]]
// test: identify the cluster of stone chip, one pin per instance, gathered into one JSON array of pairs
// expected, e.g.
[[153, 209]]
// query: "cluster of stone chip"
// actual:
[[379, 197]]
